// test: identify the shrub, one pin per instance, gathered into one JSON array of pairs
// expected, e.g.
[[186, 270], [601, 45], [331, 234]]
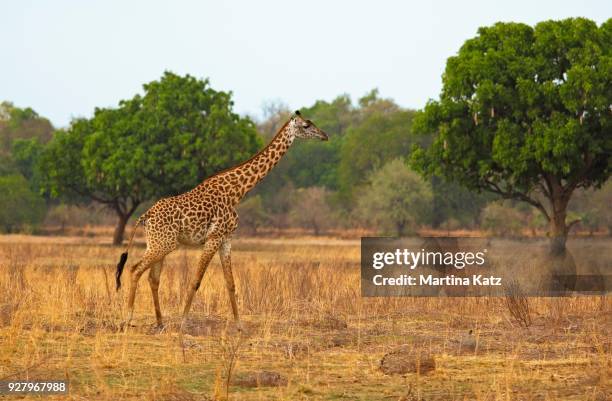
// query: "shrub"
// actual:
[[501, 220], [20, 207], [310, 209], [252, 213], [396, 200]]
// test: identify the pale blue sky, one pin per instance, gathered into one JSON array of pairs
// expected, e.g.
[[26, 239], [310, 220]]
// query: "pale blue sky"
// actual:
[[63, 58]]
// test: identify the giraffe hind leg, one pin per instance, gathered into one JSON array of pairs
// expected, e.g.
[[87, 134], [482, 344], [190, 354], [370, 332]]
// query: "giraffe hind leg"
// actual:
[[137, 270], [154, 275], [226, 263]]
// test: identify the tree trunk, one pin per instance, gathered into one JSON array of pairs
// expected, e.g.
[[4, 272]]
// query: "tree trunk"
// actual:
[[558, 226], [120, 228], [400, 228], [558, 233], [315, 228]]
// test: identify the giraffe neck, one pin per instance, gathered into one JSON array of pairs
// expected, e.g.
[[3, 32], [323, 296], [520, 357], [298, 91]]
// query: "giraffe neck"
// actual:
[[245, 176]]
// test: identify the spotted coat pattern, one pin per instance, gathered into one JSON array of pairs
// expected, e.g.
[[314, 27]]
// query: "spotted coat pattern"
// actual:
[[206, 216]]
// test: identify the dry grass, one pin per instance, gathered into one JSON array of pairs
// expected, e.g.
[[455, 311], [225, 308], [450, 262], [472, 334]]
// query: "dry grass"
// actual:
[[305, 320], [518, 304]]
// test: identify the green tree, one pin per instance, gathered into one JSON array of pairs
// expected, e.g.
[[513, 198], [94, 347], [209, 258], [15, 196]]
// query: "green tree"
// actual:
[[26, 153], [22, 135], [525, 113], [396, 200], [7, 166], [158, 144], [454, 202], [381, 135], [17, 123], [20, 207]]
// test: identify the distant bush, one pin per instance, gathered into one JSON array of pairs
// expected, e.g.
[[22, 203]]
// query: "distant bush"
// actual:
[[536, 221], [502, 220], [590, 221], [252, 213], [397, 200], [310, 209], [21, 209], [450, 224], [63, 215], [592, 206]]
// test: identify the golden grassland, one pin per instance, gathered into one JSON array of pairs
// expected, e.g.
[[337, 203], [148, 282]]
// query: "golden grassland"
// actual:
[[304, 319]]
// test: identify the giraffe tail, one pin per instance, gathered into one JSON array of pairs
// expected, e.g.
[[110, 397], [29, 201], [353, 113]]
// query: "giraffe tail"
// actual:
[[120, 267], [124, 255]]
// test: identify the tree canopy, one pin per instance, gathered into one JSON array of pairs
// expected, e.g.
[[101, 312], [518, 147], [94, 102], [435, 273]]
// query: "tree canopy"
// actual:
[[17, 123], [153, 145], [384, 133], [525, 113]]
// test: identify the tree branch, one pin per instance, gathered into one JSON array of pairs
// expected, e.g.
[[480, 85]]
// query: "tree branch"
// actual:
[[493, 187], [92, 196], [543, 189], [135, 204]]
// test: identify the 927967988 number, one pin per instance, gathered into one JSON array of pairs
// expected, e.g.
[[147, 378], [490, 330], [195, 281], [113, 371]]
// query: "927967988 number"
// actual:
[[34, 386]]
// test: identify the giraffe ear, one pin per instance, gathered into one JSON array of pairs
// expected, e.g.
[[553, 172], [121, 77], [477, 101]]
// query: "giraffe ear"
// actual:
[[297, 113]]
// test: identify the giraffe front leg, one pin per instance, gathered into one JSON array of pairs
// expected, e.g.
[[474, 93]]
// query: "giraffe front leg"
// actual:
[[210, 248], [226, 261], [154, 275]]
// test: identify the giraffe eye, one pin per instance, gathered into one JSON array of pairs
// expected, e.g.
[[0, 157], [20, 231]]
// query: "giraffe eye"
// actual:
[[306, 125]]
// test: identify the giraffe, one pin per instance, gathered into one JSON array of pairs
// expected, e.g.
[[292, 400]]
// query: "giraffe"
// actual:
[[206, 216]]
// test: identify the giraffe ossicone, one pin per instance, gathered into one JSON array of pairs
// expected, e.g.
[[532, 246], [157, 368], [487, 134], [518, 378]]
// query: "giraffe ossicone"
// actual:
[[206, 216]]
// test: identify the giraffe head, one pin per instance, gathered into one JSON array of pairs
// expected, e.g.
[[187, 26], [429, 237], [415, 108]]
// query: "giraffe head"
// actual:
[[302, 128]]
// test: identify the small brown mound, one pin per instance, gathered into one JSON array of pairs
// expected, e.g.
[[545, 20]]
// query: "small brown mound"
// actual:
[[406, 359], [262, 379]]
